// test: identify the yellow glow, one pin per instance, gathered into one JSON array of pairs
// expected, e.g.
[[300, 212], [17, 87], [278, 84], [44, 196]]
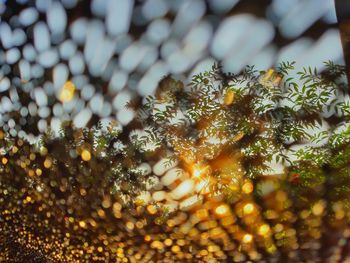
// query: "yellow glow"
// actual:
[[198, 170], [147, 237], [130, 225], [151, 209], [222, 209], [168, 242], [85, 155], [269, 74], [248, 208], [4, 160], [229, 96], [271, 249], [38, 171], [318, 208], [67, 92], [264, 229], [14, 149], [247, 238], [47, 163], [82, 224], [247, 188], [183, 189], [175, 249]]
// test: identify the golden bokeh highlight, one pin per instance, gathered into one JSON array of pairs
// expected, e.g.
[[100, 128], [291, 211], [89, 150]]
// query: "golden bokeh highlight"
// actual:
[[222, 209], [248, 208], [85, 155], [247, 188], [247, 238], [264, 229], [67, 92]]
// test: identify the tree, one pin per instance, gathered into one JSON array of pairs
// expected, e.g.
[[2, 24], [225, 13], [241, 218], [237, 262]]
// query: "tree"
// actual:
[[271, 174]]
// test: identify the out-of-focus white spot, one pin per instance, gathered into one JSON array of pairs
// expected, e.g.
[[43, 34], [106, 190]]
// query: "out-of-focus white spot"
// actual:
[[190, 12], [78, 30], [122, 42], [40, 97], [79, 105], [33, 109], [154, 8], [302, 16], [148, 60], [118, 16], [178, 62], [101, 56], [159, 196], [222, 6], [12, 55], [57, 109], [265, 58], [260, 34], [281, 7], [191, 202], [6, 104], [197, 39], [29, 52], [150, 80], [44, 112], [69, 3], [55, 126], [87, 92], [96, 103], [99, 7], [18, 37], [118, 81], [76, 64], [4, 84], [6, 35], [204, 65], [60, 76], [67, 49], [163, 165], [43, 5], [28, 16], [330, 17], [56, 18], [14, 95], [292, 51], [229, 34], [119, 101], [41, 36], [94, 36], [106, 109], [183, 189], [37, 71], [48, 58], [172, 175], [125, 116], [158, 30], [169, 47], [82, 118], [321, 51], [132, 56]]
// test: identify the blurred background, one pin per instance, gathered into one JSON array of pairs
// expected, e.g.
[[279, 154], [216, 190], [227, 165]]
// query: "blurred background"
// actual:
[[81, 61]]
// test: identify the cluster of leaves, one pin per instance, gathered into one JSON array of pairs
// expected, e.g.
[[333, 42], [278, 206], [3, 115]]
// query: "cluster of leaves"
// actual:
[[277, 115], [111, 161], [263, 115]]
